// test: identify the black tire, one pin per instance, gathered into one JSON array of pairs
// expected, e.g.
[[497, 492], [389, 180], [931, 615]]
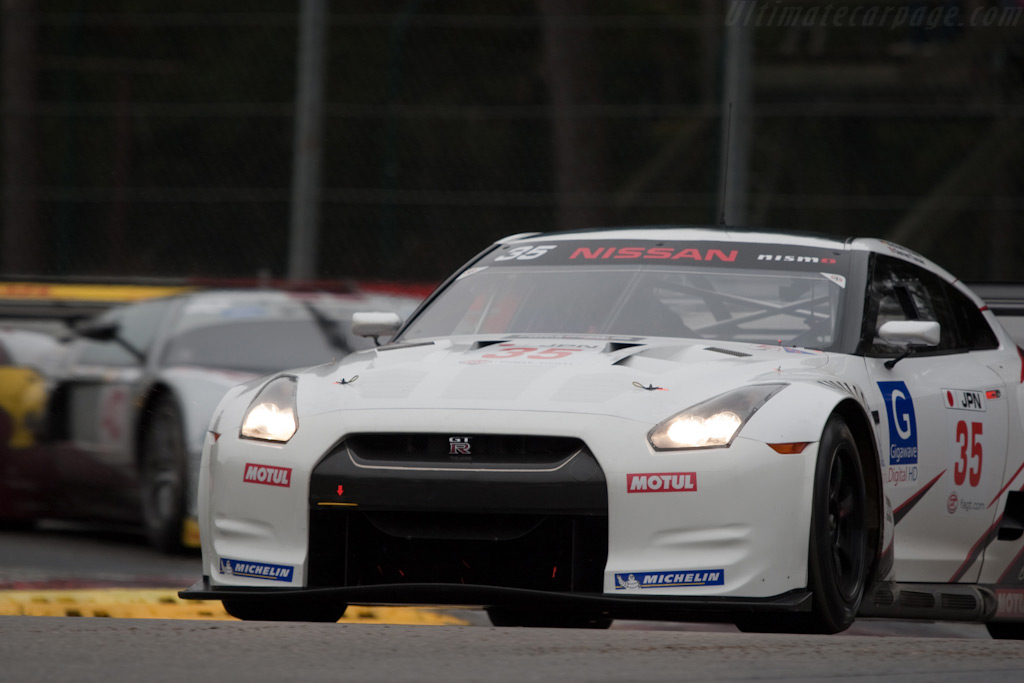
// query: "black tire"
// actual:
[[163, 473], [1006, 630], [837, 558], [277, 610], [539, 618]]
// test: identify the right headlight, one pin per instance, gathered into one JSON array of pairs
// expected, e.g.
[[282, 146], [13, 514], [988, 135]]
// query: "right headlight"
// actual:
[[713, 423], [271, 415]]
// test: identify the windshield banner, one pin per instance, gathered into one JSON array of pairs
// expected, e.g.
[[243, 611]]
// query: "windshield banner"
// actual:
[[714, 254]]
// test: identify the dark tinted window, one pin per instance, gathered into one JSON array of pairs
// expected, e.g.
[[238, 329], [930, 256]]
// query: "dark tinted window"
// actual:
[[974, 330], [903, 291], [137, 325], [259, 346]]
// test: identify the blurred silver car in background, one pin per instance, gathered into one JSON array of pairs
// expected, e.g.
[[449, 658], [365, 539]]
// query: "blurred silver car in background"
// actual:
[[133, 394]]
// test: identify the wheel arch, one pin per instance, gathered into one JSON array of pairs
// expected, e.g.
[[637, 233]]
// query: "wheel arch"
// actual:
[[149, 399], [859, 423]]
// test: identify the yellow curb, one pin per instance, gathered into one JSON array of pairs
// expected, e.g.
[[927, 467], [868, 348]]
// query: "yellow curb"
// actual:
[[165, 604]]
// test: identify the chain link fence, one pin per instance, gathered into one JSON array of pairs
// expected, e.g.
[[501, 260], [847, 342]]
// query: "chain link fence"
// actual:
[[155, 139]]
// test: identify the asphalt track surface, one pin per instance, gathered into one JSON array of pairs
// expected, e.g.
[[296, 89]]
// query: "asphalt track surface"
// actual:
[[155, 650], [64, 561]]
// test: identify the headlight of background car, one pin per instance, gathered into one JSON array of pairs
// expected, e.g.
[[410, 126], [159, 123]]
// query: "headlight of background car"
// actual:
[[271, 415], [713, 423]]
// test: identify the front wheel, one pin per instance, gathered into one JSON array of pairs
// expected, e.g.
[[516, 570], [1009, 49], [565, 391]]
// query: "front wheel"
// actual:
[[837, 557], [837, 561], [164, 467]]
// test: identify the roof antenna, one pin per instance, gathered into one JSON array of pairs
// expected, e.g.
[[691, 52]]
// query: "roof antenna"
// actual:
[[725, 171]]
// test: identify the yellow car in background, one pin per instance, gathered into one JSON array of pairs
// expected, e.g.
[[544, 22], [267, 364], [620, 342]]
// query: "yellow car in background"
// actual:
[[25, 468]]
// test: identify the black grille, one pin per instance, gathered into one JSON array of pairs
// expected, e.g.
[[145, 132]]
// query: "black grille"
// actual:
[[495, 522], [884, 598], [917, 599], [447, 449], [953, 601], [565, 553]]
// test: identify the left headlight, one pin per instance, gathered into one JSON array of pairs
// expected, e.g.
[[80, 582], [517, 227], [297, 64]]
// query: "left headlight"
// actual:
[[271, 415], [713, 423]]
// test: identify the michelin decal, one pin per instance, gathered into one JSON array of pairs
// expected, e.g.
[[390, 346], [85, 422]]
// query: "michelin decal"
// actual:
[[256, 570], [678, 579]]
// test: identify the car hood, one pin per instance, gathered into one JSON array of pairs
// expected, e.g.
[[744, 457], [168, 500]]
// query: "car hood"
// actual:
[[634, 378]]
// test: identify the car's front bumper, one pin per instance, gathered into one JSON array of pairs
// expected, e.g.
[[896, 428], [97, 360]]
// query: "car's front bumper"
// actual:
[[735, 535]]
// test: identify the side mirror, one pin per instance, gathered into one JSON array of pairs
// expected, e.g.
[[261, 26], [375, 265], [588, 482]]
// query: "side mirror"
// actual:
[[375, 324], [105, 331], [98, 330], [915, 332]]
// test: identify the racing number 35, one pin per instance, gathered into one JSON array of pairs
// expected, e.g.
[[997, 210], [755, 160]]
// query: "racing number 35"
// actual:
[[969, 462], [526, 253], [542, 354]]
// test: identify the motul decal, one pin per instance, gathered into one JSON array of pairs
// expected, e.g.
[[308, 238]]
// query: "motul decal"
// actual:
[[1011, 602], [663, 482], [266, 474]]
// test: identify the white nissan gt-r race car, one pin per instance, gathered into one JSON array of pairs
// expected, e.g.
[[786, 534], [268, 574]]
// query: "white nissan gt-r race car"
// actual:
[[781, 431]]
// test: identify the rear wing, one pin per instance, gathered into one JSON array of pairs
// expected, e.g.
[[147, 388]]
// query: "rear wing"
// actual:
[[1006, 301], [68, 301], [1002, 298]]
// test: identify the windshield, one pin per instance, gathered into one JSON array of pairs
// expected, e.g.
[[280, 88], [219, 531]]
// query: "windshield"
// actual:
[[772, 304], [257, 346]]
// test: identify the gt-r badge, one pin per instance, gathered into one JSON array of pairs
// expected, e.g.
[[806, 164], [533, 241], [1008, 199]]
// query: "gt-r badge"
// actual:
[[459, 445], [642, 580]]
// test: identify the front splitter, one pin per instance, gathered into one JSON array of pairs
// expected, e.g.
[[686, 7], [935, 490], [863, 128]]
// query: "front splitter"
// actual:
[[663, 608]]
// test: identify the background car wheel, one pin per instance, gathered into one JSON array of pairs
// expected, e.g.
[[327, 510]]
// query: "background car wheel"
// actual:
[[279, 611], [837, 560], [505, 616], [1005, 630], [163, 473]]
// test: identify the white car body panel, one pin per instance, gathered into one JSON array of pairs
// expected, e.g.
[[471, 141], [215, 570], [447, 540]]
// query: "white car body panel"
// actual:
[[720, 522]]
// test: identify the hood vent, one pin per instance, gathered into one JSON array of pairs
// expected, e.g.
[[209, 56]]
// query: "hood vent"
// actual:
[[484, 344], [612, 347], [728, 352]]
